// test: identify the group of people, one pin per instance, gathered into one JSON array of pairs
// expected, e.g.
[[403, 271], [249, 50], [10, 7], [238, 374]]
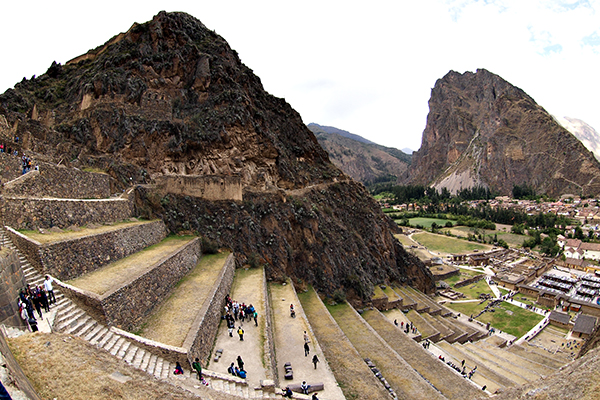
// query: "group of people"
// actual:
[[34, 298], [287, 392], [408, 328], [237, 370], [461, 370]]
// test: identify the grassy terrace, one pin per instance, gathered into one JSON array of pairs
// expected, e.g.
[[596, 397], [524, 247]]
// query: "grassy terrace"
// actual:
[[450, 384], [354, 377], [172, 321], [507, 317], [474, 290], [51, 237], [426, 222], [398, 373], [446, 244], [120, 272]]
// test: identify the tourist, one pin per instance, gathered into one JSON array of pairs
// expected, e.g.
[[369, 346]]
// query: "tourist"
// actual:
[[287, 392], [241, 333], [306, 349], [396, 322], [240, 362], [314, 397], [242, 374], [315, 360], [231, 370], [292, 311], [304, 387], [48, 286], [178, 369], [306, 338], [198, 367]]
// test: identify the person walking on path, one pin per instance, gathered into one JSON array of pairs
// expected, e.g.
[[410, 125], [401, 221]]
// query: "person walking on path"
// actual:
[[240, 362], [241, 333], [306, 349], [198, 367], [306, 338], [315, 360], [255, 315]]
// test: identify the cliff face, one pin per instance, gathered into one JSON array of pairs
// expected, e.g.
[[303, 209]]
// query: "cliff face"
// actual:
[[481, 130], [170, 97]]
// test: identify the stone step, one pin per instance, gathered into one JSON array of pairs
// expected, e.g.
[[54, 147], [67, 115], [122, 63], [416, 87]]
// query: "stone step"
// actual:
[[64, 317], [152, 364], [145, 361], [123, 350], [546, 360], [520, 369], [93, 332], [459, 334], [90, 325], [166, 369], [104, 339], [427, 331], [531, 365], [158, 367], [112, 342], [139, 356], [484, 375], [514, 376], [130, 354], [76, 325]]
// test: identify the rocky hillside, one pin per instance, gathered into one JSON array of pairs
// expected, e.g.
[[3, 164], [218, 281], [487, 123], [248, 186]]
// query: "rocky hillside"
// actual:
[[584, 132], [360, 158], [481, 130], [170, 96]]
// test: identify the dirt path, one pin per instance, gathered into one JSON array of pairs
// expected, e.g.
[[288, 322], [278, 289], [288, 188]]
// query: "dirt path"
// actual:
[[289, 344], [171, 323], [119, 272], [247, 288]]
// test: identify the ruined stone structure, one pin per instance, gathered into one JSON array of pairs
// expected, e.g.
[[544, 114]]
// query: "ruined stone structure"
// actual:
[[209, 187]]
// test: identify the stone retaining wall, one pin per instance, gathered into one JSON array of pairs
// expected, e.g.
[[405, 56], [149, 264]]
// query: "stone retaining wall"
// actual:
[[11, 281], [201, 337], [127, 306], [466, 282], [269, 339], [34, 213], [210, 187], [169, 353], [61, 182], [69, 259]]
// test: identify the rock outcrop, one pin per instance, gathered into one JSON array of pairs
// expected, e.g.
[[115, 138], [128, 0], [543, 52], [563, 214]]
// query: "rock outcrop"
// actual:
[[171, 97], [483, 131]]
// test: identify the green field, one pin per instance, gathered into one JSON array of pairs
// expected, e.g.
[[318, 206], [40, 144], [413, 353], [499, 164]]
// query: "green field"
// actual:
[[503, 233], [473, 291], [517, 324], [426, 222], [441, 243]]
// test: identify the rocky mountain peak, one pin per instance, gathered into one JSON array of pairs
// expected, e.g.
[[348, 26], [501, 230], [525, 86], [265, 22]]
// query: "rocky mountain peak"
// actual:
[[483, 131]]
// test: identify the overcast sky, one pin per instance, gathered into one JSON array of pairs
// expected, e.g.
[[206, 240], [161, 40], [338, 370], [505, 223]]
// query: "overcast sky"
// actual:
[[365, 67]]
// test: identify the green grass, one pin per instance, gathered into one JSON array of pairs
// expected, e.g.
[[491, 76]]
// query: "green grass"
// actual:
[[517, 324], [441, 243], [426, 222], [474, 290], [510, 238]]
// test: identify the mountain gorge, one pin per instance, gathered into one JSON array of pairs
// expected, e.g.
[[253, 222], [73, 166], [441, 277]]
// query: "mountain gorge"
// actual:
[[169, 97], [361, 159], [483, 131]]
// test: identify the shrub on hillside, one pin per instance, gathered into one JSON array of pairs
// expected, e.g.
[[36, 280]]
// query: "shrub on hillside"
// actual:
[[209, 246]]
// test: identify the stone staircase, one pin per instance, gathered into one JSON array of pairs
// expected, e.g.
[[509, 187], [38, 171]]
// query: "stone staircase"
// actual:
[[72, 320]]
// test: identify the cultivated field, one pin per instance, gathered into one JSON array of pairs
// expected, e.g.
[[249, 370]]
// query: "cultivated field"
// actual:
[[503, 233], [426, 222], [445, 244]]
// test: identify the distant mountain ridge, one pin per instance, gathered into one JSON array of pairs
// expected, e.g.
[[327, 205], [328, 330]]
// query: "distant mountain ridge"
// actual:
[[584, 132], [363, 160]]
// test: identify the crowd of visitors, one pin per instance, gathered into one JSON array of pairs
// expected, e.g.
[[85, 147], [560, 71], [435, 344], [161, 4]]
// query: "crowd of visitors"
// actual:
[[35, 298]]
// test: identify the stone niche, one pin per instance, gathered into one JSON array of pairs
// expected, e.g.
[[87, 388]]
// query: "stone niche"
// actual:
[[11, 281]]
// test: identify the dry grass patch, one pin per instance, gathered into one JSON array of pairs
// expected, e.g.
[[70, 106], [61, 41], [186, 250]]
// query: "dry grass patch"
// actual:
[[173, 320], [401, 376], [64, 367], [122, 271], [450, 384], [51, 237], [351, 372]]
